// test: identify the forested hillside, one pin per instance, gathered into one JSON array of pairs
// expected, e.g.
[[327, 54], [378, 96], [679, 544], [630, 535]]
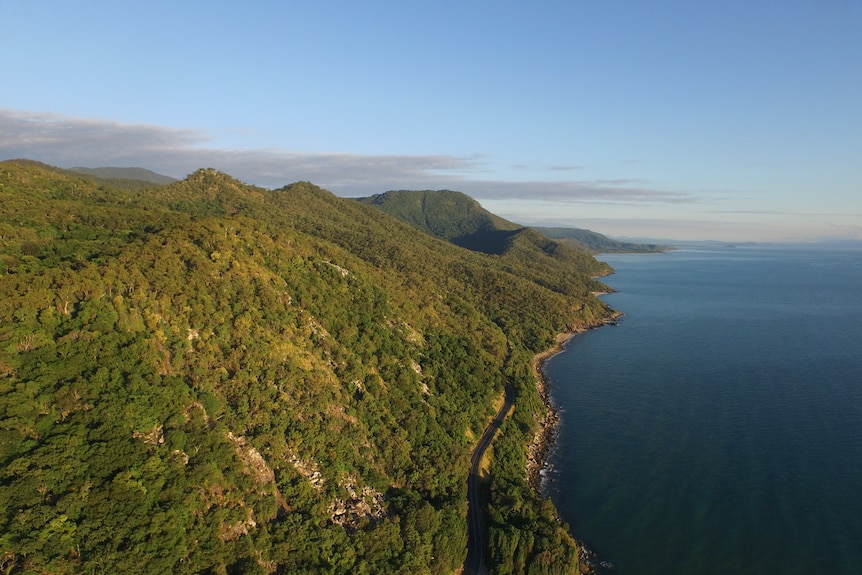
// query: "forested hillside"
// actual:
[[449, 215], [594, 242], [461, 220], [209, 377]]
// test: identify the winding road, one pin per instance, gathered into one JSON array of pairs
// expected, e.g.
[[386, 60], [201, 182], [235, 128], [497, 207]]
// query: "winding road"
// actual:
[[475, 562]]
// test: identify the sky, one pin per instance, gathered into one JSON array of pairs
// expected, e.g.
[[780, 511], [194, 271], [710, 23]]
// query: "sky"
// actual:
[[731, 121]]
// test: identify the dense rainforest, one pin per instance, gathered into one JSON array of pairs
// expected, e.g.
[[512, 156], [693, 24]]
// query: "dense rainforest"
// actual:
[[211, 377]]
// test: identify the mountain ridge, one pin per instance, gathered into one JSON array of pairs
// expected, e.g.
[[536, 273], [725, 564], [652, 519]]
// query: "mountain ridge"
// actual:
[[461, 220], [597, 243], [115, 173], [209, 376]]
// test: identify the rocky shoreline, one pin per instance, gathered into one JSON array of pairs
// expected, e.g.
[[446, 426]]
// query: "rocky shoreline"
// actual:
[[545, 436]]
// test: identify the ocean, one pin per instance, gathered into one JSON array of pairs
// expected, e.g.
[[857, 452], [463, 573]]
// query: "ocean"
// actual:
[[718, 428]]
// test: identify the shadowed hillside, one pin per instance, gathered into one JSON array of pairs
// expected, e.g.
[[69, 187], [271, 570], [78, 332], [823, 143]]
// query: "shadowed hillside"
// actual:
[[452, 216], [595, 243], [525, 252], [460, 220]]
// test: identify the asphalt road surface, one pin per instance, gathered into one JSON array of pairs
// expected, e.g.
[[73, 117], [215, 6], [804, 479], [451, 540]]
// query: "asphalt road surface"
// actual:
[[475, 562]]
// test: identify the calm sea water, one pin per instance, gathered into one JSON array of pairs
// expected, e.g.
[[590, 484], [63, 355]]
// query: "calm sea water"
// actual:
[[718, 428]]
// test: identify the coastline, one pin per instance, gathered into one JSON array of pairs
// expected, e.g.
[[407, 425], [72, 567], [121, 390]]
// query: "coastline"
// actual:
[[543, 439], [545, 436]]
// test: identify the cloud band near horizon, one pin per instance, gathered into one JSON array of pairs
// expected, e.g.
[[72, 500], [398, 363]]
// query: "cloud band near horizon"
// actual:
[[69, 142]]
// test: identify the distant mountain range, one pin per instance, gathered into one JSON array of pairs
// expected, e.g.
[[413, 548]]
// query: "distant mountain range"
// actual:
[[595, 242], [461, 220], [449, 215], [140, 174]]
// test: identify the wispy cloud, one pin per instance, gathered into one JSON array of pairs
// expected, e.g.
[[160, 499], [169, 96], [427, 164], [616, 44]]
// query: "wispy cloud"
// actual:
[[801, 214], [602, 191], [65, 140], [69, 142]]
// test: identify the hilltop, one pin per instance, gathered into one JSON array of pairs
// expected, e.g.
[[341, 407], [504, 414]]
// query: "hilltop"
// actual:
[[208, 376], [461, 220], [452, 216]]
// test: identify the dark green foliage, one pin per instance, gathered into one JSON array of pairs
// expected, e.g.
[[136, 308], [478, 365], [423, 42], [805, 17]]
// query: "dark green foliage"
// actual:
[[460, 219], [594, 242], [452, 216], [213, 377], [524, 531], [528, 254]]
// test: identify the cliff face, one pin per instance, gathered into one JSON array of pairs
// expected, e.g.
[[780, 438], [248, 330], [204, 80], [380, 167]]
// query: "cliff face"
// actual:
[[209, 376]]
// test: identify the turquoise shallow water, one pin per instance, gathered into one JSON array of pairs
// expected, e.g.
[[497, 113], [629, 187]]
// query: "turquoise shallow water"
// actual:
[[718, 428]]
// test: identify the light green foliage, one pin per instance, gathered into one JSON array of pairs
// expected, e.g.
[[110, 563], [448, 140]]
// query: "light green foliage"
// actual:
[[213, 377]]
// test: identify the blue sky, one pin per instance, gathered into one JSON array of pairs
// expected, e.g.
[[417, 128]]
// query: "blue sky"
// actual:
[[686, 120]]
